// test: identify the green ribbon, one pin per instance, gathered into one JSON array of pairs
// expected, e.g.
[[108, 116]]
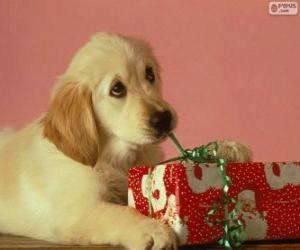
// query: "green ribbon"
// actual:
[[203, 154], [232, 225]]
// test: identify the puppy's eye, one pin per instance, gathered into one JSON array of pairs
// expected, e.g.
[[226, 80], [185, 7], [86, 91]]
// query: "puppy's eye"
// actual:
[[149, 74], [118, 90]]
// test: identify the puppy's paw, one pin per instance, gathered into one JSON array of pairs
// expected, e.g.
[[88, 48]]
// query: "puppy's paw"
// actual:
[[152, 235], [233, 151]]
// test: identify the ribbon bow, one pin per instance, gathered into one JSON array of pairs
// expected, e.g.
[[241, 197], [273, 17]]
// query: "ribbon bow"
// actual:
[[203, 154], [232, 225]]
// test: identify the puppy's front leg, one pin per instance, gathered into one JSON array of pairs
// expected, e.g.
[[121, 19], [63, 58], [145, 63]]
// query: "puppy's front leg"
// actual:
[[233, 151], [121, 225]]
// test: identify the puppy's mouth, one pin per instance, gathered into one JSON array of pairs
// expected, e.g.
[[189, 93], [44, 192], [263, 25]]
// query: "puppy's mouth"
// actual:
[[159, 137], [155, 137]]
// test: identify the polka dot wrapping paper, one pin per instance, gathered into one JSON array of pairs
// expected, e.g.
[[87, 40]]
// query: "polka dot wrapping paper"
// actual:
[[268, 196]]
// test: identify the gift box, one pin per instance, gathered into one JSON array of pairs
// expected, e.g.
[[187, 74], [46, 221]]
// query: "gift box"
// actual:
[[267, 196]]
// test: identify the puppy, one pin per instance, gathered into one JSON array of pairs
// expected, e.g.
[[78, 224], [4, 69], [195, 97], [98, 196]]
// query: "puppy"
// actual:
[[63, 178]]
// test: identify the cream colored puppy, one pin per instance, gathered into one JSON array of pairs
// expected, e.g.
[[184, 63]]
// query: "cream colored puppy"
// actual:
[[63, 178]]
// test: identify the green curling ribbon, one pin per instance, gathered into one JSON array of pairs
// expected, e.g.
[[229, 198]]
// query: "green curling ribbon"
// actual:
[[203, 154], [232, 225]]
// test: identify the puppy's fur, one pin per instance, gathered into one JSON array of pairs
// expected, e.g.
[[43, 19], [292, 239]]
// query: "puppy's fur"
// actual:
[[63, 178]]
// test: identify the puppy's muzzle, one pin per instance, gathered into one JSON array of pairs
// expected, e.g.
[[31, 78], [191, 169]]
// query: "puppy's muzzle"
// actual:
[[161, 122]]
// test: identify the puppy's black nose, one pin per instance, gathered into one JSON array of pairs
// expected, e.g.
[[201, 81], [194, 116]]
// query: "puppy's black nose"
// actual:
[[161, 121]]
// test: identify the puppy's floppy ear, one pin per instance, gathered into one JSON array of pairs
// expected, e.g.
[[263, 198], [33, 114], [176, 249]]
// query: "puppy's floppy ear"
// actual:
[[71, 125]]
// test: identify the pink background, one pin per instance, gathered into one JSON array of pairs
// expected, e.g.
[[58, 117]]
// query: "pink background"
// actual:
[[230, 69]]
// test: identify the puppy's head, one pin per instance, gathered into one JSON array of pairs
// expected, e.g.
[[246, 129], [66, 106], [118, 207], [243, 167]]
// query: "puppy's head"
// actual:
[[111, 88]]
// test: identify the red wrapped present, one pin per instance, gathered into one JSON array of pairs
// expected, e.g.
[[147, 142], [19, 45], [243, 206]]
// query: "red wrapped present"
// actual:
[[267, 194]]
